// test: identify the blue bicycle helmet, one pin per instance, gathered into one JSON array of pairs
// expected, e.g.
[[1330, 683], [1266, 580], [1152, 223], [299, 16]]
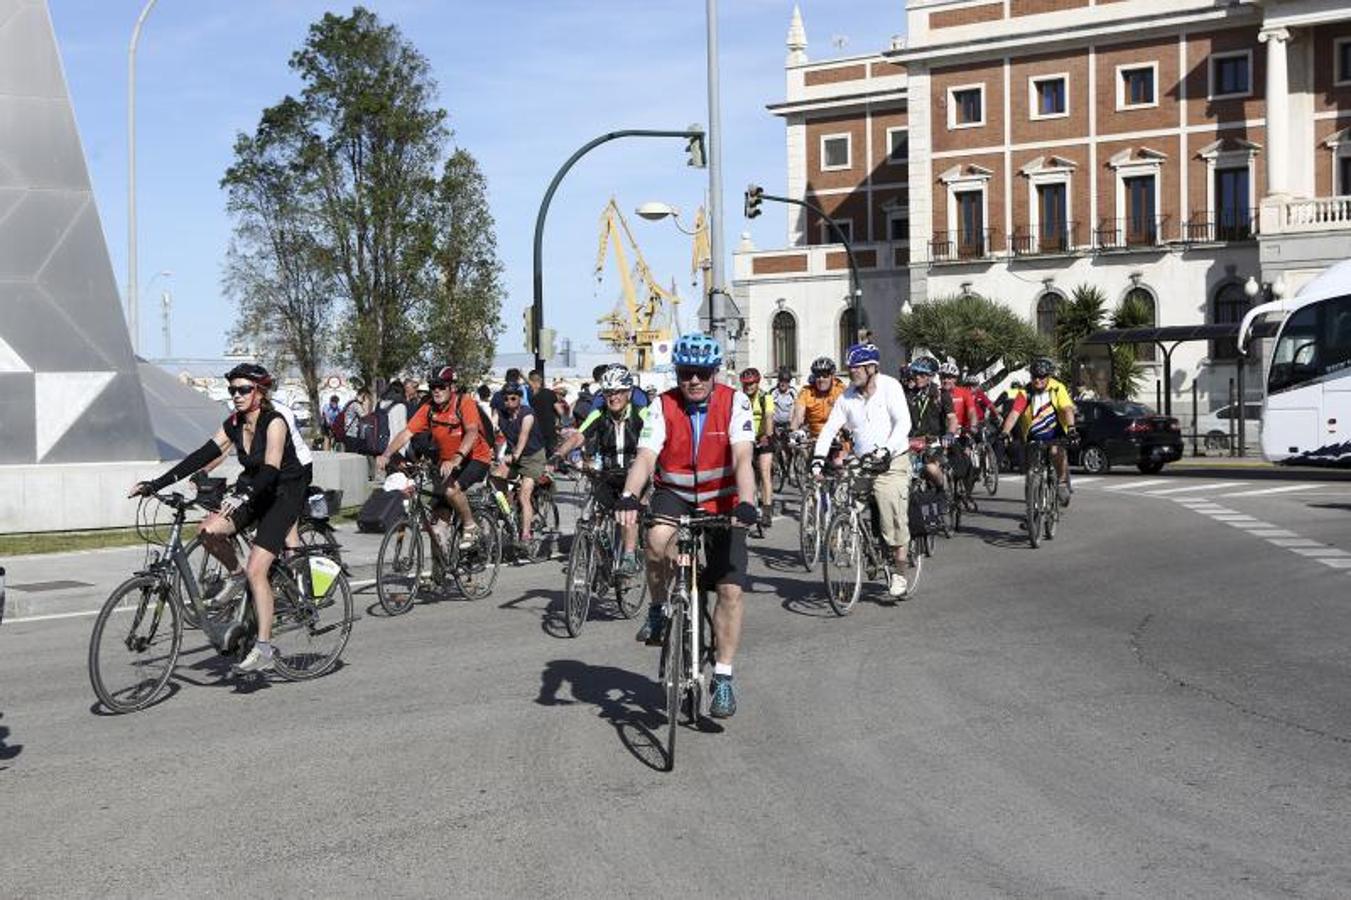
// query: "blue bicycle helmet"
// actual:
[[696, 350], [923, 366], [862, 354]]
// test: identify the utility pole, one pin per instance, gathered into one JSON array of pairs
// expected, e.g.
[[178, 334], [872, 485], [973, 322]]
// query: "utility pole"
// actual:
[[133, 284], [717, 294], [166, 303]]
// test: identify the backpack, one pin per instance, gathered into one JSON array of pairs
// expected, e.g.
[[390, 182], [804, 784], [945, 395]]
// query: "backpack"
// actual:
[[374, 428], [927, 508], [348, 427]]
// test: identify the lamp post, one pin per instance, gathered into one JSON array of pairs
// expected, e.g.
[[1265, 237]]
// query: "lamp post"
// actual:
[[133, 288], [717, 292], [1256, 292]]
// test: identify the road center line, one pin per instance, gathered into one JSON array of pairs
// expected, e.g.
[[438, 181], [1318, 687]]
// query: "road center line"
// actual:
[[1195, 487], [1285, 489]]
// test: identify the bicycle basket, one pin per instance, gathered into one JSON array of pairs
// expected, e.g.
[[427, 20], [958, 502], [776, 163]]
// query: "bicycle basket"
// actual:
[[926, 510]]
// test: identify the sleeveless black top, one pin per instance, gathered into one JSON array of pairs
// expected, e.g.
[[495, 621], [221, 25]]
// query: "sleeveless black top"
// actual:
[[252, 459]]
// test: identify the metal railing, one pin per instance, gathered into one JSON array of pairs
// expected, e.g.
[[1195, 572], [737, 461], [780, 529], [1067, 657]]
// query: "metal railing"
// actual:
[[961, 246], [1130, 233], [1215, 226], [1062, 238]]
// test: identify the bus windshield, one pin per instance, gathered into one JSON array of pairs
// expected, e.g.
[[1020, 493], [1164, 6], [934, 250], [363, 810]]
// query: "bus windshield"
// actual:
[[1314, 342]]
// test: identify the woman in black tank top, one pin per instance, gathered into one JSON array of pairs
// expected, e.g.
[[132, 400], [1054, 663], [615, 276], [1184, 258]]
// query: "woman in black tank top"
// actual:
[[270, 492]]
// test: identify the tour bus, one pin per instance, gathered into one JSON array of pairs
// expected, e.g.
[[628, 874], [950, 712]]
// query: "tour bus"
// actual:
[[1306, 407]]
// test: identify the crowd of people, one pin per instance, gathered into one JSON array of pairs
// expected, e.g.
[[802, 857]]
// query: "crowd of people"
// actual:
[[701, 446]]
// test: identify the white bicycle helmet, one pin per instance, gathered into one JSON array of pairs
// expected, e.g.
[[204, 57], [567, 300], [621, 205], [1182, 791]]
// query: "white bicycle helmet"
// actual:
[[949, 370], [616, 378]]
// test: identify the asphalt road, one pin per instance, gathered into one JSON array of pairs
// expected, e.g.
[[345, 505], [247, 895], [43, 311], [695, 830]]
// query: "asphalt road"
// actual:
[[1153, 704]]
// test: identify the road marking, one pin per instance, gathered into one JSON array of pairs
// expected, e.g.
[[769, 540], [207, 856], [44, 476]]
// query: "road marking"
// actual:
[[1195, 487], [1086, 479], [1256, 527], [1332, 557], [1337, 563], [1276, 490], [50, 617], [1321, 552], [1273, 533], [1293, 542], [1136, 485]]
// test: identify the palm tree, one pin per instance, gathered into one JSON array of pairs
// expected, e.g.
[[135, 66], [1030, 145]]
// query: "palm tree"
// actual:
[[1127, 372], [1075, 319]]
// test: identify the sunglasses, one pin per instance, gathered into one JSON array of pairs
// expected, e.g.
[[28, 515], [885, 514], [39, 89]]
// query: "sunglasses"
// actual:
[[695, 374], [242, 390], [616, 392], [513, 399]]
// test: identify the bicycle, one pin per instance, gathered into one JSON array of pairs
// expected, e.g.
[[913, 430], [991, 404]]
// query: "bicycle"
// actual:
[[688, 647], [591, 570], [987, 461], [853, 544], [399, 566], [957, 487], [502, 502], [1040, 492], [312, 619], [817, 505], [791, 466]]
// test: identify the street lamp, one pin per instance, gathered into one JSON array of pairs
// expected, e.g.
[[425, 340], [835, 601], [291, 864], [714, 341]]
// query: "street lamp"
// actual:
[[133, 289], [655, 211]]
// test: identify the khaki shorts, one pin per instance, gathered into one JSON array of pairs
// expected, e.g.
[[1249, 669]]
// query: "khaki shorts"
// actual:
[[891, 490], [531, 466]]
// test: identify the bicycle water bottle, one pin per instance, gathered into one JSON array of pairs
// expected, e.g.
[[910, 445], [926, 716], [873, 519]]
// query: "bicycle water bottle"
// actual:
[[502, 502]]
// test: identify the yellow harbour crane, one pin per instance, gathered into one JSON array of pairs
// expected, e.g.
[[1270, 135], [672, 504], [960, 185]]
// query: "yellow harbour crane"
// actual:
[[635, 324]]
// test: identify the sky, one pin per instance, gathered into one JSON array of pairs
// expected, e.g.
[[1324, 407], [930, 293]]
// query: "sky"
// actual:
[[526, 82]]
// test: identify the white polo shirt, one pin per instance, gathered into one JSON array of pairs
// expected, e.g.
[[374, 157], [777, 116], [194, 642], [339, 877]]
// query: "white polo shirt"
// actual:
[[882, 420]]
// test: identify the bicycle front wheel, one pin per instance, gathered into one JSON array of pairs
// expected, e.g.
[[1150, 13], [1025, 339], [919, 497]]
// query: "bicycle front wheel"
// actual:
[[544, 529], [631, 590], [135, 644], [308, 633], [398, 567], [581, 575], [1051, 504], [989, 464], [809, 529], [475, 568], [673, 677], [1032, 498], [914, 565], [843, 552]]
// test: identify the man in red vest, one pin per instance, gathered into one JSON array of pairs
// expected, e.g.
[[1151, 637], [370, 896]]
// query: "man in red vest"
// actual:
[[697, 446]]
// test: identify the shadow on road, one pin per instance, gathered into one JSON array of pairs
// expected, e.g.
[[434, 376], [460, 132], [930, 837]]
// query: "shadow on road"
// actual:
[[628, 701], [7, 750]]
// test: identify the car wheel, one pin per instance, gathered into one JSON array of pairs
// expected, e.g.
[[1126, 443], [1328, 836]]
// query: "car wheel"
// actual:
[[1094, 460], [1153, 467]]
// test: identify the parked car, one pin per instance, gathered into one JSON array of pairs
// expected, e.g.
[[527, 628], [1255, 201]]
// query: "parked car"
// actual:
[[1214, 429], [1114, 432]]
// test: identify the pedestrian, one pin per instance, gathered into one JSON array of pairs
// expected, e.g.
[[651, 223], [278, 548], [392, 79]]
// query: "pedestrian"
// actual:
[[544, 404], [328, 416]]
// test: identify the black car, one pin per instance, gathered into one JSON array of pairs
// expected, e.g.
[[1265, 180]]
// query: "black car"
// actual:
[[1116, 432]]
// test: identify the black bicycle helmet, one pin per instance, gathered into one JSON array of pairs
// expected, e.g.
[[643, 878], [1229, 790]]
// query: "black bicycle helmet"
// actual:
[[823, 365], [1041, 368], [250, 372]]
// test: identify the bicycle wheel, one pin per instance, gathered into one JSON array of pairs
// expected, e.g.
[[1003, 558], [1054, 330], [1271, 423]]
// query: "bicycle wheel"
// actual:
[[308, 633], [989, 464], [319, 533], [631, 590], [801, 472], [135, 644], [475, 568], [1051, 504], [581, 576], [398, 567], [809, 529], [843, 553], [212, 578], [544, 530], [673, 677], [914, 565], [1032, 498], [953, 491], [778, 472]]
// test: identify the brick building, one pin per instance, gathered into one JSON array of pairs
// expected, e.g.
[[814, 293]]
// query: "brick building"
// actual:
[[1162, 149]]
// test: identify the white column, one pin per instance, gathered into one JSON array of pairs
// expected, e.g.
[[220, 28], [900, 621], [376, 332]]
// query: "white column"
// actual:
[[1278, 110]]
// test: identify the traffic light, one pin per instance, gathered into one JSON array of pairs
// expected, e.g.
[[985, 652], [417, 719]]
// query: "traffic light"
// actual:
[[528, 319], [546, 343], [755, 195], [694, 150]]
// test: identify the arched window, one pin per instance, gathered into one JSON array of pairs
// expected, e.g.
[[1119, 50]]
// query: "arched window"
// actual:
[[1046, 313], [783, 349], [848, 335], [1141, 311], [1229, 306]]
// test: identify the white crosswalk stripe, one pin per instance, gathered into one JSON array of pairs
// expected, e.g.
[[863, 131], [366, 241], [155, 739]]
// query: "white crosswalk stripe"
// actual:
[[1283, 489], [1136, 485], [1194, 487]]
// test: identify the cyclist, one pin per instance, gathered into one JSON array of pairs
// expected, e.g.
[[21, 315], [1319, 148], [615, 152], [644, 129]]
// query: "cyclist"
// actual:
[[762, 418], [968, 421], [815, 401], [270, 491], [454, 422], [612, 435], [522, 452], [1045, 411], [697, 446], [875, 411], [785, 398], [931, 414]]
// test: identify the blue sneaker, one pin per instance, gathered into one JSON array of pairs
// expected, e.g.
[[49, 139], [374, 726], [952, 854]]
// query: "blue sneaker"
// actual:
[[723, 705], [654, 629]]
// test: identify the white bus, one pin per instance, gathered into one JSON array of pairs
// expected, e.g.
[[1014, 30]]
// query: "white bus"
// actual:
[[1306, 406]]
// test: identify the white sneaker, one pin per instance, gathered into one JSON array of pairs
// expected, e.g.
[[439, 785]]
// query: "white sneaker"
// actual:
[[254, 662], [468, 538], [898, 585]]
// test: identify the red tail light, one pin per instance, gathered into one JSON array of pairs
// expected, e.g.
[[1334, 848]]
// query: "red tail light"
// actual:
[[1138, 427]]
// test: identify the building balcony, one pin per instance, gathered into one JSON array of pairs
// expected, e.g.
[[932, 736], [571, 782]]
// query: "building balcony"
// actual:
[[1303, 216], [1131, 233], [1220, 226], [1041, 241], [963, 246]]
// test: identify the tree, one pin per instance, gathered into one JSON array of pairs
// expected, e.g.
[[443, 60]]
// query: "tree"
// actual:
[[376, 140], [975, 331], [276, 269], [1075, 319], [464, 318], [1127, 371]]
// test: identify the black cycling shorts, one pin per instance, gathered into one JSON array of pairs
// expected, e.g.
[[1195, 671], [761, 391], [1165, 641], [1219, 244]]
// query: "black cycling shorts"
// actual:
[[470, 473], [607, 490], [724, 548], [274, 515]]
